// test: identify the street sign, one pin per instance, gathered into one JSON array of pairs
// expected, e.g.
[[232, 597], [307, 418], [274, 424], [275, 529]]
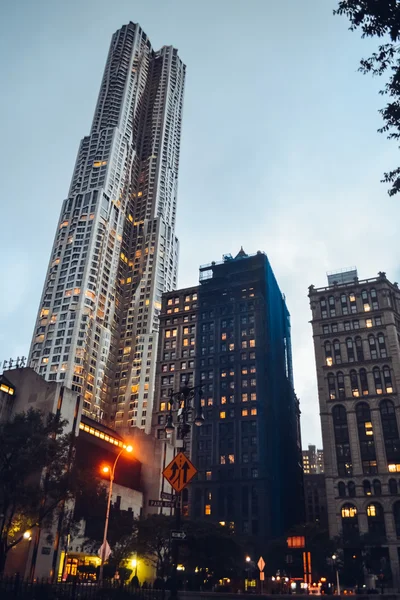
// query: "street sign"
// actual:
[[178, 535], [179, 472], [262, 576], [166, 496], [261, 563], [161, 503]]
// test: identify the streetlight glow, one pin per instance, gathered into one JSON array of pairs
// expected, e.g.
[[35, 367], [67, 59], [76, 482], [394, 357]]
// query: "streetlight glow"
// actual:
[[129, 449], [334, 557], [27, 535], [106, 469], [248, 559], [133, 562]]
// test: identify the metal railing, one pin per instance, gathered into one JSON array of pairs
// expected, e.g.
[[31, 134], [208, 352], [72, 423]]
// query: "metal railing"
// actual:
[[15, 588]]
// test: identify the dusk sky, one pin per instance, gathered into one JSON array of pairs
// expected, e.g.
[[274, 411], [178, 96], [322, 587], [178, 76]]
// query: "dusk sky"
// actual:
[[279, 153]]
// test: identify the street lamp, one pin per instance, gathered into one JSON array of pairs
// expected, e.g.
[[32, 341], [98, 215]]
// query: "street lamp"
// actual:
[[185, 400], [106, 469], [334, 560]]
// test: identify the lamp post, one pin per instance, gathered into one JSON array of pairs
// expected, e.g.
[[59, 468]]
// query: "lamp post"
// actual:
[[185, 400], [334, 560], [111, 471]]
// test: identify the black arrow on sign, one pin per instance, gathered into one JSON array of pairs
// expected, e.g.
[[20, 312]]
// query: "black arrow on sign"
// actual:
[[175, 472], [185, 470]]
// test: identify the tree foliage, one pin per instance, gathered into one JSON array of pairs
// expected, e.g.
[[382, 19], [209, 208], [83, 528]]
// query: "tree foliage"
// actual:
[[34, 474], [381, 19]]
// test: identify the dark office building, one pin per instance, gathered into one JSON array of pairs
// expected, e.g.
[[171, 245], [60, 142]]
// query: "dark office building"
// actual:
[[315, 499], [231, 334]]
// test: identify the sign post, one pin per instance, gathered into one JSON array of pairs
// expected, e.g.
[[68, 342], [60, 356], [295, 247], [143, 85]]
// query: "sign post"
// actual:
[[261, 566]]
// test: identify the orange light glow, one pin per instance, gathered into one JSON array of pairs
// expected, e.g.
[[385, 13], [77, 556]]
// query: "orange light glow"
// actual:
[[105, 469]]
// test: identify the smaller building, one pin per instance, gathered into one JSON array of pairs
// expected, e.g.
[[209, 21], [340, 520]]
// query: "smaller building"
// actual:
[[137, 479], [313, 460], [315, 499]]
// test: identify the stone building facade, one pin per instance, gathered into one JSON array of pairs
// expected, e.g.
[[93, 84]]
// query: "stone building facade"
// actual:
[[356, 329]]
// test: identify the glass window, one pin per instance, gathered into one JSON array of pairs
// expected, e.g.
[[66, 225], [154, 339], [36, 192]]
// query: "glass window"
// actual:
[[349, 521], [359, 348], [350, 350], [364, 382], [372, 347], [387, 380], [331, 386], [367, 487], [343, 303], [366, 437], [328, 354], [342, 489], [377, 380], [343, 453], [351, 487], [337, 352], [340, 382], [355, 390], [332, 310], [390, 431], [324, 311], [396, 514], [376, 520], [392, 487]]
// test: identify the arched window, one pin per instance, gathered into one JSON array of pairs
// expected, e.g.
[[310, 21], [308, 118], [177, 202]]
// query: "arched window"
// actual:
[[324, 312], [359, 348], [340, 383], [351, 488], [366, 438], [376, 519], [343, 454], [392, 487], [350, 350], [387, 380], [332, 309], [342, 489], [372, 347], [390, 432], [377, 487], [336, 351], [364, 382], [382, 345], [343, 302], [367, 487], [377, 379], [331, 386], [366, 304], [396, 514], [328, 354], [374, 299], [349, 521], [353, 303], [355, 390]]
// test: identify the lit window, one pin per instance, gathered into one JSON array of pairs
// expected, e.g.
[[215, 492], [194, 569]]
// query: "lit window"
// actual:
[[329, 361], [223, 336], [231, 347], [222, 414], [207, 509], [253, 411], [394, 468], [371, 510], [253, 397], [368, 322], [222, 459], [245, 412], [223, 399], [252, 343], [163, 406], [208, 475], [349, 512], [368, 428], [245, 397], [231, 458]]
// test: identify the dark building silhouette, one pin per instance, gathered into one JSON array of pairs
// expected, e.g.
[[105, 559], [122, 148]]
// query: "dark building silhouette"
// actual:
[[231, 334]]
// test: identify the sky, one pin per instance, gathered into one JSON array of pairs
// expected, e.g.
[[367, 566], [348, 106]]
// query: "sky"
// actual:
[[280, 150]]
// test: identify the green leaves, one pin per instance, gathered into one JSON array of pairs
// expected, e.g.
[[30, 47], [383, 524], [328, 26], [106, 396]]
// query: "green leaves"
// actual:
[[381, 18]]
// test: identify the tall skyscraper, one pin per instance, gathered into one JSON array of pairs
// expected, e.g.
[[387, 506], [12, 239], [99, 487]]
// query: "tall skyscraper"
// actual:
[[231, 334], [115, 251], [356, 329]]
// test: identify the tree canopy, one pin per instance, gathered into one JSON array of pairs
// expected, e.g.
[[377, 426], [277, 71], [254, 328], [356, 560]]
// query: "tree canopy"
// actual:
[[34, 474], [381, 19]]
